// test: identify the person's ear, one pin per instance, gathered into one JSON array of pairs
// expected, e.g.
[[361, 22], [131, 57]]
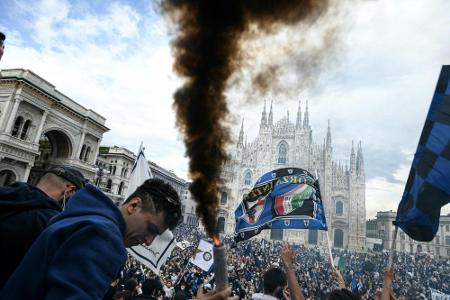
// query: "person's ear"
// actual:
[[134, 204]]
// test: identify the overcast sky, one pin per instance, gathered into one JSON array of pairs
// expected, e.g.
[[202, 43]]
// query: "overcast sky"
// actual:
[[375, 86]]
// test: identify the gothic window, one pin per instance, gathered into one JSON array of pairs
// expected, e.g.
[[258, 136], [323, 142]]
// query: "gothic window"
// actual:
[[17, 125], [125, 173], [338, 238], [83, 151], [25, 128], [114, 170], [419, 248], [110, 169], [221, 224], [121, 188], [88, 153], [7, 177], [109, 185], [248, 178], [447, 240], [223, 198], [282, 153], [339, 208]]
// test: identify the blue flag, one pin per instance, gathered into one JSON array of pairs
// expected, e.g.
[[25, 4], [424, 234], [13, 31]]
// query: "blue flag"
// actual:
[[286, 198], [428, 185]]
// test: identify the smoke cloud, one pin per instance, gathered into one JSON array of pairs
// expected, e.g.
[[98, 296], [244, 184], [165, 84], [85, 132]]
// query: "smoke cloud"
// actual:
[[208, 50]]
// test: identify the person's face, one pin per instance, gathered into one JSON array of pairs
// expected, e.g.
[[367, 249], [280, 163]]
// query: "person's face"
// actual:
[[141, 226]]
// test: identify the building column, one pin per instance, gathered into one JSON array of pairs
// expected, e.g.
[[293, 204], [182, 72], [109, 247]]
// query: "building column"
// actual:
[[40, 127], [12, 116], [26, 174], [80, 145], [95, 154]]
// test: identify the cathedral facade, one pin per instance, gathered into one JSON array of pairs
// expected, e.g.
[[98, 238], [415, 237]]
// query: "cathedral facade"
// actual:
[[290, 144]]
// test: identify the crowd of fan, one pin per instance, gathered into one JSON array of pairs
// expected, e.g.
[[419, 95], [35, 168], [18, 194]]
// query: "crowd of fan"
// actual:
[[362, 272]]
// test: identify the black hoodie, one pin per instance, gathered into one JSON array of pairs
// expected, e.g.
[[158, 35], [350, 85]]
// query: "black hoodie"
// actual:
[[24, 213]]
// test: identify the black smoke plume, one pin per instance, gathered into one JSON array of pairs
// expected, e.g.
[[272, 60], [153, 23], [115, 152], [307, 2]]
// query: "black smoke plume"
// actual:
[[206, 47]]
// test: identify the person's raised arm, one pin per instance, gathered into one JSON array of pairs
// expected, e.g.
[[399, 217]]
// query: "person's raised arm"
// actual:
[[338, 276], [387, 293], [287, 256]]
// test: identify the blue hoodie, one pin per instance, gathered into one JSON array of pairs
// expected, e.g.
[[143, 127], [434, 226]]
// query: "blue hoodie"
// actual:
[[25, 211], [77, 256]]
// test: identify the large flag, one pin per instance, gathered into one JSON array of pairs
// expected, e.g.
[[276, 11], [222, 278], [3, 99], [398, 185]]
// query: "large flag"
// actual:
[[286, 198], [203, 256], [155, 255], [428, 185], [139, 173]]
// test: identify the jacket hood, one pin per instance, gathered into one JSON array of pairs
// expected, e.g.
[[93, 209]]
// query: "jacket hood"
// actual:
[[21, 196], [91, 201]]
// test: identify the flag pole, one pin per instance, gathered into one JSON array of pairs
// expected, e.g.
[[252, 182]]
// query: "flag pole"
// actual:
[[391, 254], [329, 251], [328, 237]]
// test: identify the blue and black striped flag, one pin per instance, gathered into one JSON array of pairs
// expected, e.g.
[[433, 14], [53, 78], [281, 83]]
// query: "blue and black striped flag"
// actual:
[[428, 185]]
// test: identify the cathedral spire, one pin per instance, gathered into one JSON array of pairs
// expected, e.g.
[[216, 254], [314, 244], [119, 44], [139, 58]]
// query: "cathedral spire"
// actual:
[[306, 117], [298, 123], [263, 116], [240, 142], [328, 142], [270, 114], [352, 159], [360, 160]]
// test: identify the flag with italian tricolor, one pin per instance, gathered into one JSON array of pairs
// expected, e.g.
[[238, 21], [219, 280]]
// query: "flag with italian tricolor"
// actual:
[[287, 198]]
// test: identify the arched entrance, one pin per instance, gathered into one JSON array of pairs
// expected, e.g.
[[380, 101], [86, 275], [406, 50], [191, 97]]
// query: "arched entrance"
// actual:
[[7, 177], [338, 238], [55, 148], [312, 237]]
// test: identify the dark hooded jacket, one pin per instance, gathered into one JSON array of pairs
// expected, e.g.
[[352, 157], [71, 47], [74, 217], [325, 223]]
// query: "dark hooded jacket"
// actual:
[[25, 211], [77, 256]]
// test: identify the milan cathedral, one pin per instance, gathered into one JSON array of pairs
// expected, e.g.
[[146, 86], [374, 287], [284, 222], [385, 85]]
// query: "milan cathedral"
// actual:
[[287, 144]]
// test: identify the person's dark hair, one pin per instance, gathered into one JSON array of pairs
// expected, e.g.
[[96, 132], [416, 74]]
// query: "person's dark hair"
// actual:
[[150, 286], [2, 36], [274, 278], [179, 296], [130, 285], [125, 295], [342, 294], [159, 196]]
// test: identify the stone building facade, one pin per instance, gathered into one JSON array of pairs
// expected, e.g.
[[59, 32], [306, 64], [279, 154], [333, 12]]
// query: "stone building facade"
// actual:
[[113, 168], [381, 227], [40, 127], [287, 143]]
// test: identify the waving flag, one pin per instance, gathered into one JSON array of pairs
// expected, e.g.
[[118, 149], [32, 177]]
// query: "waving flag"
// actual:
[[428, 185], [155, 255], [139, 173], [203, 256], [286, 198]]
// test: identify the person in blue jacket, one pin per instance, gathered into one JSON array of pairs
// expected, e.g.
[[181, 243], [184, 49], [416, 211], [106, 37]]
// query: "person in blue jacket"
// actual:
[[25, 211], [83, 248]]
